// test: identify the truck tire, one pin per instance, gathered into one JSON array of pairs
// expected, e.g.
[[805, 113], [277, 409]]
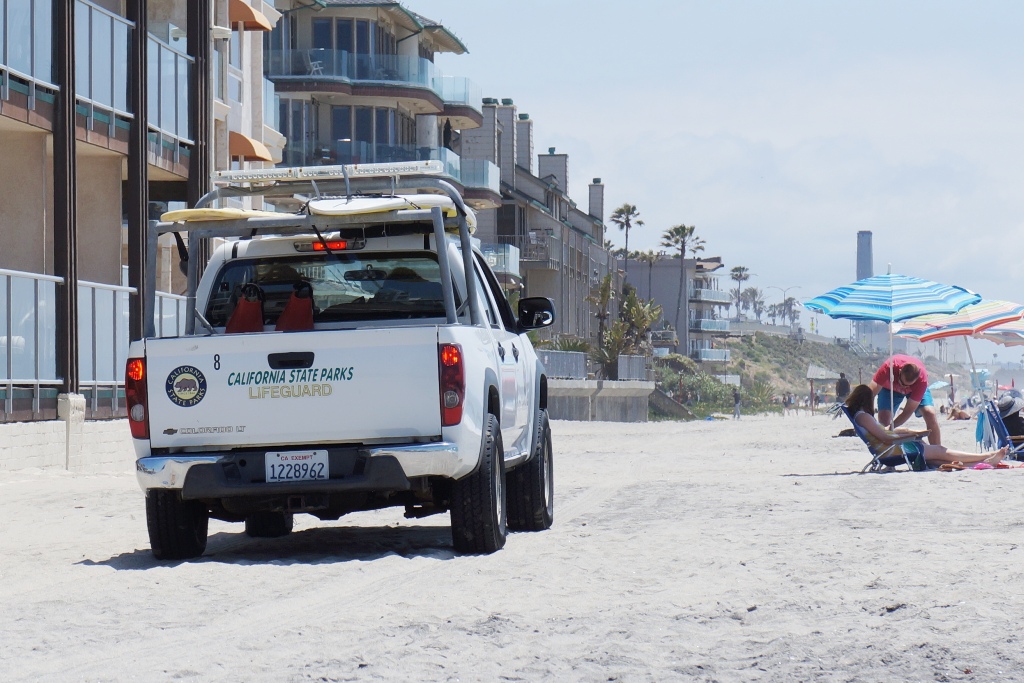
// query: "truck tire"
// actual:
[[531, 486], [269, 524], [478, 501], [177, 528]]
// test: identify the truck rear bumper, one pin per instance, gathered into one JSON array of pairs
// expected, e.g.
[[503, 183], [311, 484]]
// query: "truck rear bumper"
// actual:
[[242, 473]]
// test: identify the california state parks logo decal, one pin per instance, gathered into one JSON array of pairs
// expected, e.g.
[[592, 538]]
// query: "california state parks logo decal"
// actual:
[[185, 386]]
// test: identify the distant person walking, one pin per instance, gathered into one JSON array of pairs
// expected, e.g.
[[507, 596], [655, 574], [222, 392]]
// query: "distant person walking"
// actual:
[[910, 383], [842, 388], [735, 403]]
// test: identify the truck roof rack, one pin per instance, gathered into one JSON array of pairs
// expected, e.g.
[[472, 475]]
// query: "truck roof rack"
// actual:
[[317, 182]]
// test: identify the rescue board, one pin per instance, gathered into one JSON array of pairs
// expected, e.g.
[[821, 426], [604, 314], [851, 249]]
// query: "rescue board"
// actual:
[[209, 214], [357, 205]]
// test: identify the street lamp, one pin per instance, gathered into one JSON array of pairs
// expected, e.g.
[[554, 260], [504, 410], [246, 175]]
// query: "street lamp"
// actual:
[[784, 290]]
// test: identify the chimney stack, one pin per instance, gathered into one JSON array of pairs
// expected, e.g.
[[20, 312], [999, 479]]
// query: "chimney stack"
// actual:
[[865, 259], [524, 142], [507, 147], [596, 207], [556, 165]]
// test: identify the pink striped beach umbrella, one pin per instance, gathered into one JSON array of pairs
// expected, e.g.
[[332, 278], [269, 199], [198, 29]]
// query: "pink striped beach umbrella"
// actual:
[[1007, 334], [968, 321]]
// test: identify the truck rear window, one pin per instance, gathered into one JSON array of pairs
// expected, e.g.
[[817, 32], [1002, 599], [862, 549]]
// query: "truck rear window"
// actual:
[[345, 287]]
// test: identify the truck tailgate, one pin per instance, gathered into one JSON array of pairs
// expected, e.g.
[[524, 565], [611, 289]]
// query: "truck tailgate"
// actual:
[[298, 388]]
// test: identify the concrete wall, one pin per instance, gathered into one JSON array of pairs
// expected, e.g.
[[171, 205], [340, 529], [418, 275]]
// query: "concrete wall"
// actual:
[[26, 201], [100, 446], [99, 218], [598, 400]]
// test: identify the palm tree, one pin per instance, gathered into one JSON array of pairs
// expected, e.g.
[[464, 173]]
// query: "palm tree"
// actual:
[[678, 237], [624, 217], [649, 257], [696, 245], [740, 274], [755, 301], [789, 310], [774, 311], [602, 298]]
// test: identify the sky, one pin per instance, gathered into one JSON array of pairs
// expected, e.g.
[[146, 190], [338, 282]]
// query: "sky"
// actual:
[[779, 129]]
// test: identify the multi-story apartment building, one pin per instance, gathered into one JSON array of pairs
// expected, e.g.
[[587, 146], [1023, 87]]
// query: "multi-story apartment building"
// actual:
[[357, 84], [696, 315], [559, 246], [110, 109]]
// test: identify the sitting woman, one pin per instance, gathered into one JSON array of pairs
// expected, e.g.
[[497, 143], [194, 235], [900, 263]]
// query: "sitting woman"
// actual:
[[861, 403]]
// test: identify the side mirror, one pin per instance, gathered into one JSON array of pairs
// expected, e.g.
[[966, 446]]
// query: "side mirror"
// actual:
[[536, 312]]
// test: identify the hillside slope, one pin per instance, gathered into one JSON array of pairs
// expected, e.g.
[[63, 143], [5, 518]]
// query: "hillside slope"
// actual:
[[783, 362]]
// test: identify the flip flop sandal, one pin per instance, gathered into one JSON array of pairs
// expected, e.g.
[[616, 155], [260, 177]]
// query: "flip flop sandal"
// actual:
[[952, 466]]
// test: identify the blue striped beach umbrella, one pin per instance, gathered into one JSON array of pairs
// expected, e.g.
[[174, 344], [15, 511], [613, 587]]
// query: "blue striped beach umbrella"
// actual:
[[890, 298]]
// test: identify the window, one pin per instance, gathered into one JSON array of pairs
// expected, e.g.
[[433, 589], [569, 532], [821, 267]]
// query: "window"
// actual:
[[322, 39], [508, 318], [347, 286]]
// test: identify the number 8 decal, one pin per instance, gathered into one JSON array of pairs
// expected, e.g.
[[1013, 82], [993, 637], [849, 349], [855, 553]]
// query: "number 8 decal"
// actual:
[[216, 361]]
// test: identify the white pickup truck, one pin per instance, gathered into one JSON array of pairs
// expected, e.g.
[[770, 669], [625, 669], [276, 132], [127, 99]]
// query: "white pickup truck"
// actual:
[[354, 355]]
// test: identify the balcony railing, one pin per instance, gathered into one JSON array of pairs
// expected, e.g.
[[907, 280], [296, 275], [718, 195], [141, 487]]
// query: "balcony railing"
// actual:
[[709, 325], [102, 44], [271, 106], [345, 67], [715, 296], [716, 355], [458, 90], [168, 75], [28, 341], [480, 173], [534, 246], [503, 258], [563, 364]]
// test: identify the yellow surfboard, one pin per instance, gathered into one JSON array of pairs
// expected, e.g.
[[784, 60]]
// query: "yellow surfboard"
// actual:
[[228, 214]]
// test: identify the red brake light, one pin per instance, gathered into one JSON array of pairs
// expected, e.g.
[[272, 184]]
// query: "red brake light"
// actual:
[[135, 397], [452, 385], [335, 245], [136, 369]]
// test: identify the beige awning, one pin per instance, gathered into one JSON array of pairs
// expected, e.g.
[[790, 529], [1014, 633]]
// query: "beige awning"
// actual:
[[244, 146], [250, 18]]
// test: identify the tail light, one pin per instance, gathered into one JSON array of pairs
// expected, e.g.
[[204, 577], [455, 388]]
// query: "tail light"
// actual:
[[453, 384], [135, 397]]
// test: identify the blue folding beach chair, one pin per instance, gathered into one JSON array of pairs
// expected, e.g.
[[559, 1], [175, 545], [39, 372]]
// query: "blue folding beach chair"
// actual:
[[1014, 444], [912, 457]]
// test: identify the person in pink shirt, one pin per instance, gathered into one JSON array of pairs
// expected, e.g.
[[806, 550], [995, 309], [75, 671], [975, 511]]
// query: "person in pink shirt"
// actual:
[[910, 383]]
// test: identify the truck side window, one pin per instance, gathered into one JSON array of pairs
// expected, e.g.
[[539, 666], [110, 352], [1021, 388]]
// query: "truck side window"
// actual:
[[485, 300], [508, 318]]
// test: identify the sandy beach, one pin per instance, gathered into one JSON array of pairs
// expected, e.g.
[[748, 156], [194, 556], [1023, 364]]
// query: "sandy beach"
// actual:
[[706, 551]]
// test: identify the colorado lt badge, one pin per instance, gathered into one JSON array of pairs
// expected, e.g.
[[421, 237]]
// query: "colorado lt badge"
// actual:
[[185, 386]]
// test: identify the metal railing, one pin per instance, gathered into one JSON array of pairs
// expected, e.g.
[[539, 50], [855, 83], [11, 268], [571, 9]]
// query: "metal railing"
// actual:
[[341, 65], [715, 355], [534, 246], [28, 342], [564, 364], [709, 325], [633, 367], [715, 296]]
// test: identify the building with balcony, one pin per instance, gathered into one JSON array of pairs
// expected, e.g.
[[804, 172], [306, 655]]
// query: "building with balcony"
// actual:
[[694, 311], [561, 246], [107, 115], [356, 83]]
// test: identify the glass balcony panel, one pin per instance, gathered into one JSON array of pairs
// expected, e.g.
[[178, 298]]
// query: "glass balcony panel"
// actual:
[[121, 336], [458, 90], [480, 173], [83, 51], [167, 76], [5, 339], [42, 68], [47, 315], [86, 368], [104, 335], [271, 106], [122, 55], [355, 152], [342, 65], [182, 93], [19, 24], [154, 90], [23, 328], [102, 64]]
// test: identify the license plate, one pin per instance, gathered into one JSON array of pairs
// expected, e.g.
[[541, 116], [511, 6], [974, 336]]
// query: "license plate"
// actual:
[[297, 466]]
